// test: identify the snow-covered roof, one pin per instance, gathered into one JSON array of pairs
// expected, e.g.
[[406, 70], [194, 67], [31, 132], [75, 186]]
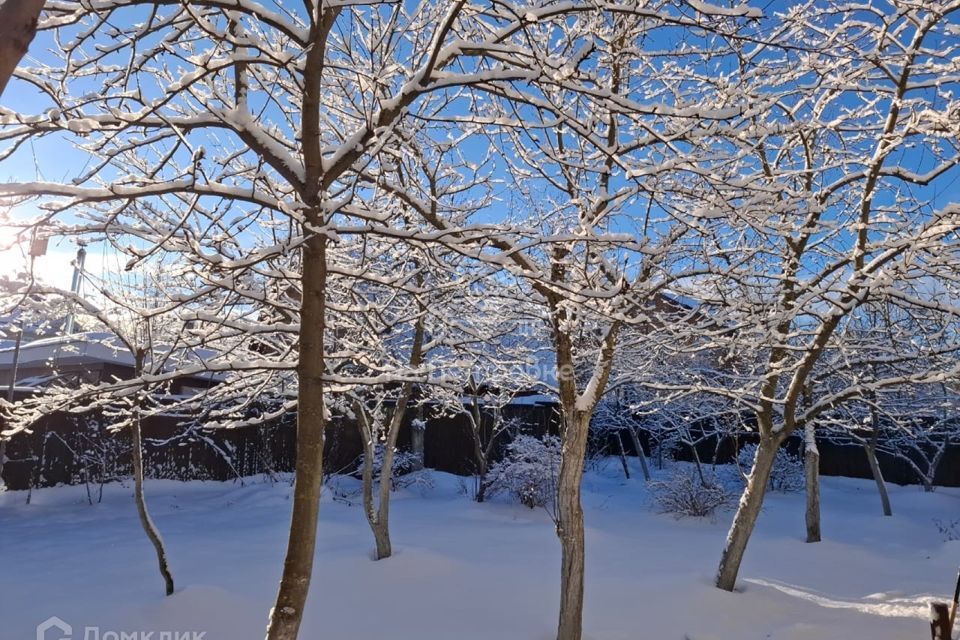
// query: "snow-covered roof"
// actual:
[[86, 347], [533, 400], [685, 301], [92, 347], [33, 383]]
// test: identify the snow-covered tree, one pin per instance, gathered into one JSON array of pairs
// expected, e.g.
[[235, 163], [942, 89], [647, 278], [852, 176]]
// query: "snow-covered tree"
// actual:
[[238, 136], [823, 200], [597, 227], [917, 425], [495, 340], [880, 342], [380, 328], [138, 317]]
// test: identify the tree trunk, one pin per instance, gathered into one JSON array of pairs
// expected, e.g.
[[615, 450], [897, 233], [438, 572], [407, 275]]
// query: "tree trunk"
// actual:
[[747, 513], [417, 430], [18, 25], [623, 456], [145, 520], [931, 477], [696, 459], [480, 459], [481, 453], [369, 451], [811, 464], [378, 516], [640, 454], [380, 526], [570, 524], [576, 411], [870, 448], [287, 612], [481, 486]]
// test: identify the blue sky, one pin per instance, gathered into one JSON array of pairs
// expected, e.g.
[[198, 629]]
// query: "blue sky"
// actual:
[[54, 158]]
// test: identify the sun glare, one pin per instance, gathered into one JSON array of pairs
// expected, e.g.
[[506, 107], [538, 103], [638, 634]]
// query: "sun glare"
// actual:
[[50, 264], [12, 251]]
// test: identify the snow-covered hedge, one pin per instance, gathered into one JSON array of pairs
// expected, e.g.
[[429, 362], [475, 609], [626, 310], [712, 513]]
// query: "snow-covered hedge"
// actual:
[[684, 495], [403, 461], [528, 472], [404, 464], [787, 475]]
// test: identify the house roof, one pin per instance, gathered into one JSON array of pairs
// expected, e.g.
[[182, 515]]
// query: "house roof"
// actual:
[[81, 347]]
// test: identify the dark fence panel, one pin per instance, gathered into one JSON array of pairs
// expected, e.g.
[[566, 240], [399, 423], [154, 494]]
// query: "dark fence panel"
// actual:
[[69, 449], [72, 449]]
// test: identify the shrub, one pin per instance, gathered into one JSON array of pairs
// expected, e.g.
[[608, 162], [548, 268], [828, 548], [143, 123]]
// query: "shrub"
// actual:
[[684, 495], [528, 471], [405, 463], [787, 475]]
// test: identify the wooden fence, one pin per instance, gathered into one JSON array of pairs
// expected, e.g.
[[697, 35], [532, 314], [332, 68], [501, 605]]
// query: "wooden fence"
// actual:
[[71, 449]]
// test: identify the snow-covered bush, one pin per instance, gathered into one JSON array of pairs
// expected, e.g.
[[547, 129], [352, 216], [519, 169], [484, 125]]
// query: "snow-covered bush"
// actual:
[[420, 480], [684, 495], [405, 463], [787, 475], [528, 471]]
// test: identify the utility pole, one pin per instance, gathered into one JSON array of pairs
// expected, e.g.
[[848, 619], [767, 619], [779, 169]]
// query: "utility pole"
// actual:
[[75, 285], [16, 364]]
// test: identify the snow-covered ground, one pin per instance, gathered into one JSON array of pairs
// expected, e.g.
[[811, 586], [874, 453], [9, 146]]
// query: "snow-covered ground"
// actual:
[[474, 571]]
